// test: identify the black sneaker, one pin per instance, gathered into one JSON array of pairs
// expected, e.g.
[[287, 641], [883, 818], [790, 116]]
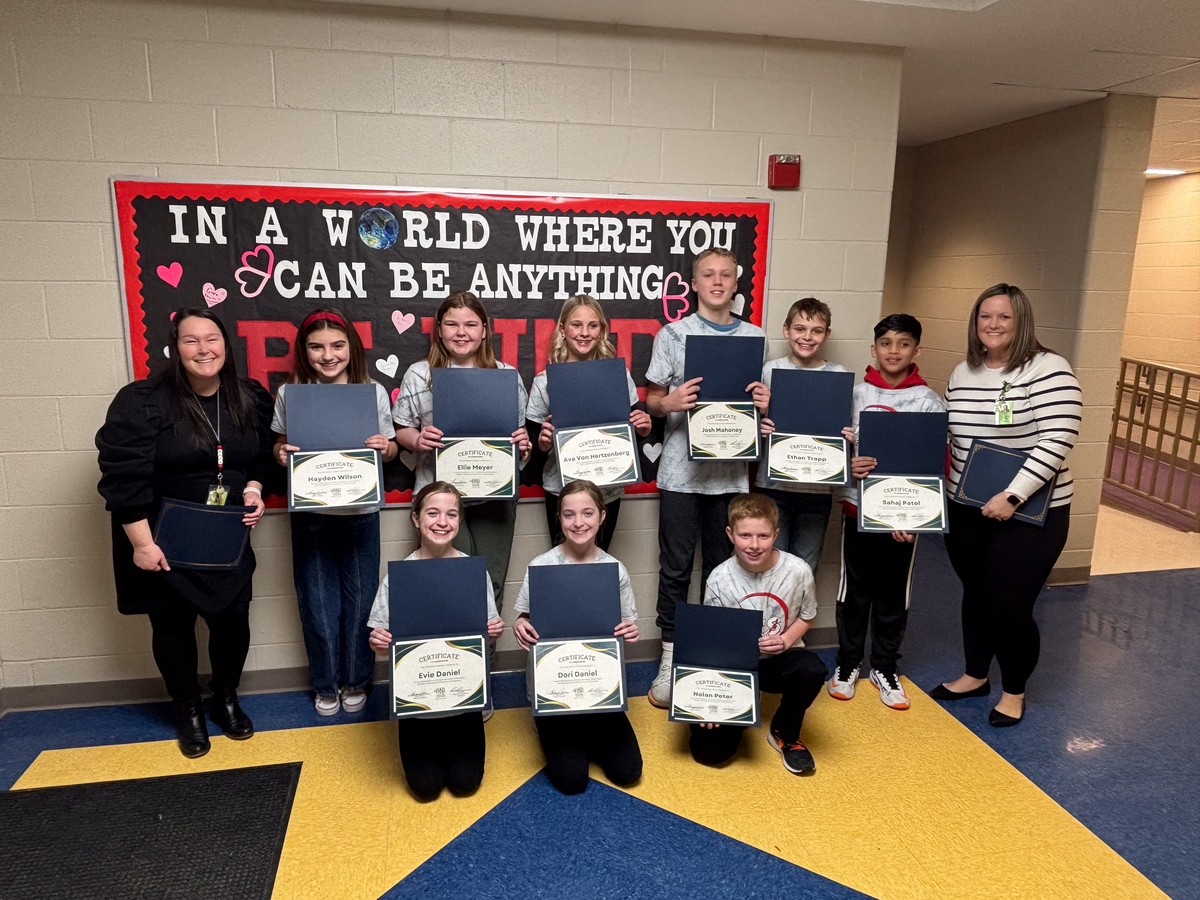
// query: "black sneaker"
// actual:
[[796, 758]]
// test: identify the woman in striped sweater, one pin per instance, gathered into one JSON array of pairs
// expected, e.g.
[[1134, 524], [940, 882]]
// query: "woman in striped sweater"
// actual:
[[1014, 392]]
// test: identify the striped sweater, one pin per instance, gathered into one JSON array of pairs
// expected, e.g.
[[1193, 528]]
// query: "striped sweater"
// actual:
[[1047, 408]]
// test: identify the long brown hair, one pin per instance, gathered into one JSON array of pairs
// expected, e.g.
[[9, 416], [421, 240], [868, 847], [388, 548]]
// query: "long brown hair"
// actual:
[[328, 318], [439, 356], [1024, 346], [557, 350], [237, 395]]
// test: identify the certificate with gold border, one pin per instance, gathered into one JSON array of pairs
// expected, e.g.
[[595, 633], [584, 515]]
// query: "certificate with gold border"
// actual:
[[901, 503], [806, 459], [479, 467], [334, 479], [439, 675], [718, 696], [723, 431], [605, 455], [579, 676]]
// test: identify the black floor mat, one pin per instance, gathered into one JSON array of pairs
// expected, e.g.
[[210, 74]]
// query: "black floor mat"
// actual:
[[209, 836]]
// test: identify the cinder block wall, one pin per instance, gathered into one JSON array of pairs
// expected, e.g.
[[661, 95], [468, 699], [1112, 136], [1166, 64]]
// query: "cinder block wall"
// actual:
[[1162, 324], [1049, 203], [335, 93]]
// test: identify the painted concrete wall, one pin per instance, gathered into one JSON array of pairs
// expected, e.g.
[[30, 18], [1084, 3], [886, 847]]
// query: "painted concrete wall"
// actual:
[[1051, 204], [188, 91]]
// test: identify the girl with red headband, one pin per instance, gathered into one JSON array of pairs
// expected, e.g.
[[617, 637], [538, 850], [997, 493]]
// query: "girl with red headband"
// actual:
[[335, 553]]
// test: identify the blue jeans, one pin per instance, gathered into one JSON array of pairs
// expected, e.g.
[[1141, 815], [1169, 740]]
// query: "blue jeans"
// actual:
[[335, 563], [803, 519]]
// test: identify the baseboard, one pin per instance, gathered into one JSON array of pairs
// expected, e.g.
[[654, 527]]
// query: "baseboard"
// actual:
[[1069, 575], [269, 681]]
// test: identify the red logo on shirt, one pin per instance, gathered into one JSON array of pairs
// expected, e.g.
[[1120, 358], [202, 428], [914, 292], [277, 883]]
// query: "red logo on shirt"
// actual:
[[777, 623]]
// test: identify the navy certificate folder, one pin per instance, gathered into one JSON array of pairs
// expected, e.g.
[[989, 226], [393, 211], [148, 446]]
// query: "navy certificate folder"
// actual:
[[476, 402], [574, 601], [330, 416], [816, 403], [727, 365], [717, 637], [431, 597], [198, 536], [989, 470], [587, 393], [909, 443]]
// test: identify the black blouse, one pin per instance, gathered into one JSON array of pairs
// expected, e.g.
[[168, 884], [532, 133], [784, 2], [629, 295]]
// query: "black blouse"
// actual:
[[147, 452]]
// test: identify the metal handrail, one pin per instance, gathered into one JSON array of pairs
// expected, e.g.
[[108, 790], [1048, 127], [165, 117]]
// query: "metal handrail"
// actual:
[[1164, 403]]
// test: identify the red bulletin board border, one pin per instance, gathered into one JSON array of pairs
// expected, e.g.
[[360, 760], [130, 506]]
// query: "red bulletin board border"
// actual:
[[126, 189]]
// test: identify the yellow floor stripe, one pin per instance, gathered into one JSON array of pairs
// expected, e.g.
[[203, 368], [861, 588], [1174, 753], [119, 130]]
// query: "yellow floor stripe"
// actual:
[[904, 805]]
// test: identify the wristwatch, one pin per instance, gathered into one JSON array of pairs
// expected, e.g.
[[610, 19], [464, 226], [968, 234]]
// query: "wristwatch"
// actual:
[[1014, 499]]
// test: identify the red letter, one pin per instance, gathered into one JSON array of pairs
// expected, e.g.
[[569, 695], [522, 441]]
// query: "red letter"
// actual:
[[625, 329], [505, 328], [542, 329], [259, 366]]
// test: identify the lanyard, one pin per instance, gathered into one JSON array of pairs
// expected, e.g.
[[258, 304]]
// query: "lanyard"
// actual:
[[216, 432]]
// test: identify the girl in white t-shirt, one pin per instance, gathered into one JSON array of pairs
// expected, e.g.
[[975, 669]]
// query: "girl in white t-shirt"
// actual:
[[445, 750], [581, 334], [462, 338], [570, 742]]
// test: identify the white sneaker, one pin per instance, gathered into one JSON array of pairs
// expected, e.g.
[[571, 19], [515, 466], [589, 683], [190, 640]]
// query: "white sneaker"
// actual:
[[891, 692], [660, 688], [841, 685], [327, 706], [353, 701]]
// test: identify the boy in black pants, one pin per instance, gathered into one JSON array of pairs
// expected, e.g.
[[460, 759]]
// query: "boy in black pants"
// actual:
[[780, 585], [877, 568]]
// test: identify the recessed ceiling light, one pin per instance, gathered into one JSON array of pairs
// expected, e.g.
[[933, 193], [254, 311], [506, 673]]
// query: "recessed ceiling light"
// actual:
[[1159, 173]]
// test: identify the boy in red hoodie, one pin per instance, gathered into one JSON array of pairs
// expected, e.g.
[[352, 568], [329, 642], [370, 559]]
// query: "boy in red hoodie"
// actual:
[[877, 568]]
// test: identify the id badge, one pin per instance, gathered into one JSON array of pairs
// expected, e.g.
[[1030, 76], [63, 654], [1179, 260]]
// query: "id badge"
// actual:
[[217, 494], [1004, 412]]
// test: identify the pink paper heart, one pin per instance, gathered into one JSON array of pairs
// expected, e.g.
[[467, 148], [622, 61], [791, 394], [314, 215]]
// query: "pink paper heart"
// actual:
[[248, 276], [171, 274], [172, 317], [402, 321], [395, 395], [681, 297], [213, 295]]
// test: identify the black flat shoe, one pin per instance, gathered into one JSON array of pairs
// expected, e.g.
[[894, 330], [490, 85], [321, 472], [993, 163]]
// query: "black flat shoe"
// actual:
[[190, 728], [229, 716], [998, 719], [941, 692]]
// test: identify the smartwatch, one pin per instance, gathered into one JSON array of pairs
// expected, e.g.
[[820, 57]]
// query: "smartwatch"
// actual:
[[1014, 499]]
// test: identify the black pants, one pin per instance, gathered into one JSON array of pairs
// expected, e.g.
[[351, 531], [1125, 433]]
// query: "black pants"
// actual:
[[798, 675], [446, 752], [876, 580], [684, 519], [1003, 567], [570, 742], [611, 511], [174, 644]]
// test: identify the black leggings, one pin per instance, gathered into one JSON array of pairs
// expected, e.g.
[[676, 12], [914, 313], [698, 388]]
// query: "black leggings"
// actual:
[[611, 511], [570, 742], [1003, 567], [798, 675], [445, 752], [174, 643]]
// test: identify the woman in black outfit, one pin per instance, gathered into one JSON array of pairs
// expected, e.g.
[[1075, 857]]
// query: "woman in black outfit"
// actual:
[[161, 439]]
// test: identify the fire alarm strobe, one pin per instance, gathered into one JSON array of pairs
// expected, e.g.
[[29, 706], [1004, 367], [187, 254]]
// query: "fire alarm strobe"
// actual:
[[783, 171]]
